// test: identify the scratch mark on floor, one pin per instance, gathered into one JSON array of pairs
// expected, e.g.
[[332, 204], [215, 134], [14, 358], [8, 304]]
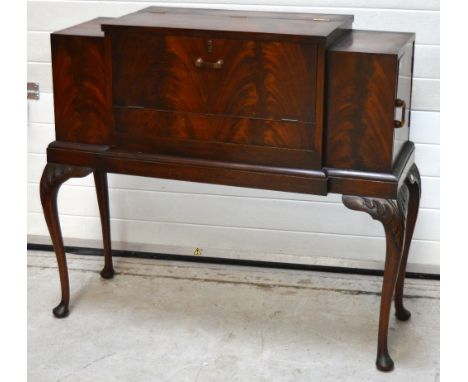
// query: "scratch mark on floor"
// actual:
[[98, 360]]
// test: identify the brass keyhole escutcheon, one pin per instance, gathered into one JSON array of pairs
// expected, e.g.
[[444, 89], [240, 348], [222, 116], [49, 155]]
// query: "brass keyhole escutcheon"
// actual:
[[197, 252]]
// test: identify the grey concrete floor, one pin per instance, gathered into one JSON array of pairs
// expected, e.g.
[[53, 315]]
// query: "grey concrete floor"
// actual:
[[174, 321]]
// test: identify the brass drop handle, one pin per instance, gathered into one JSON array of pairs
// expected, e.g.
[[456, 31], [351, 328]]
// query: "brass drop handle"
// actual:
[[402, 104], [199, 63]]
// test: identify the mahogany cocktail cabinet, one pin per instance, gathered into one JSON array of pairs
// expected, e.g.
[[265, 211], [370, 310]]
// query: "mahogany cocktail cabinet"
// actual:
[[281, 101]]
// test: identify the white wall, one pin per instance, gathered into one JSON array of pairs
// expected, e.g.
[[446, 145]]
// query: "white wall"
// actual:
[[176, 217]]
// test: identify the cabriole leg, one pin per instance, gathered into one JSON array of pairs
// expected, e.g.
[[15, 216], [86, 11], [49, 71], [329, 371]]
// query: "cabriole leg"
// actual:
[[100, 179], [391, 213], [53, 177], [413, 182]]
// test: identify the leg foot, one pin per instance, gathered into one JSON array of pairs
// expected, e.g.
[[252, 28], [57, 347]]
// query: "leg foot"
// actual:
[[391, 213], [100, 180], [402, 313], [413, 182], [107, 273], [384, 362], [61, 310], [53, 177]]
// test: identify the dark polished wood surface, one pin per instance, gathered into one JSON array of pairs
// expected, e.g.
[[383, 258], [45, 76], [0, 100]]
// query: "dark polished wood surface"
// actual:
[[268, 25], [363, 89], [151, 125], [80, 104], [280, 101], [392, 214], [375, 42], [254, 79]]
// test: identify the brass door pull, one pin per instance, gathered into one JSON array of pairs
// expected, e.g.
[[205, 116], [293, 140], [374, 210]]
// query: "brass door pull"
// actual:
[[402, 104], [199, 63]]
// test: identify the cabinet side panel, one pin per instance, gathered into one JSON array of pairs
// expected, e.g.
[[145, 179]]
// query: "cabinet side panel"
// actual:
[[360, 110], [80, 107], [405, 80]]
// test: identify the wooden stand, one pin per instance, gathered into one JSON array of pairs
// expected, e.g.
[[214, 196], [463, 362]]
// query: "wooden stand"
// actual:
[[302, 104]]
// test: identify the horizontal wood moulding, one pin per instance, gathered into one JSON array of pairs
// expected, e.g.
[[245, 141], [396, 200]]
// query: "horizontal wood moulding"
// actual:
[[174, 165], [207, 170]]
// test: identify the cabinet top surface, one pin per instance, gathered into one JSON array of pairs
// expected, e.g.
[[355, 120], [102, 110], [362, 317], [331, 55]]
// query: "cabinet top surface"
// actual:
[[90, 28], [280, 23], [362, 41]]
